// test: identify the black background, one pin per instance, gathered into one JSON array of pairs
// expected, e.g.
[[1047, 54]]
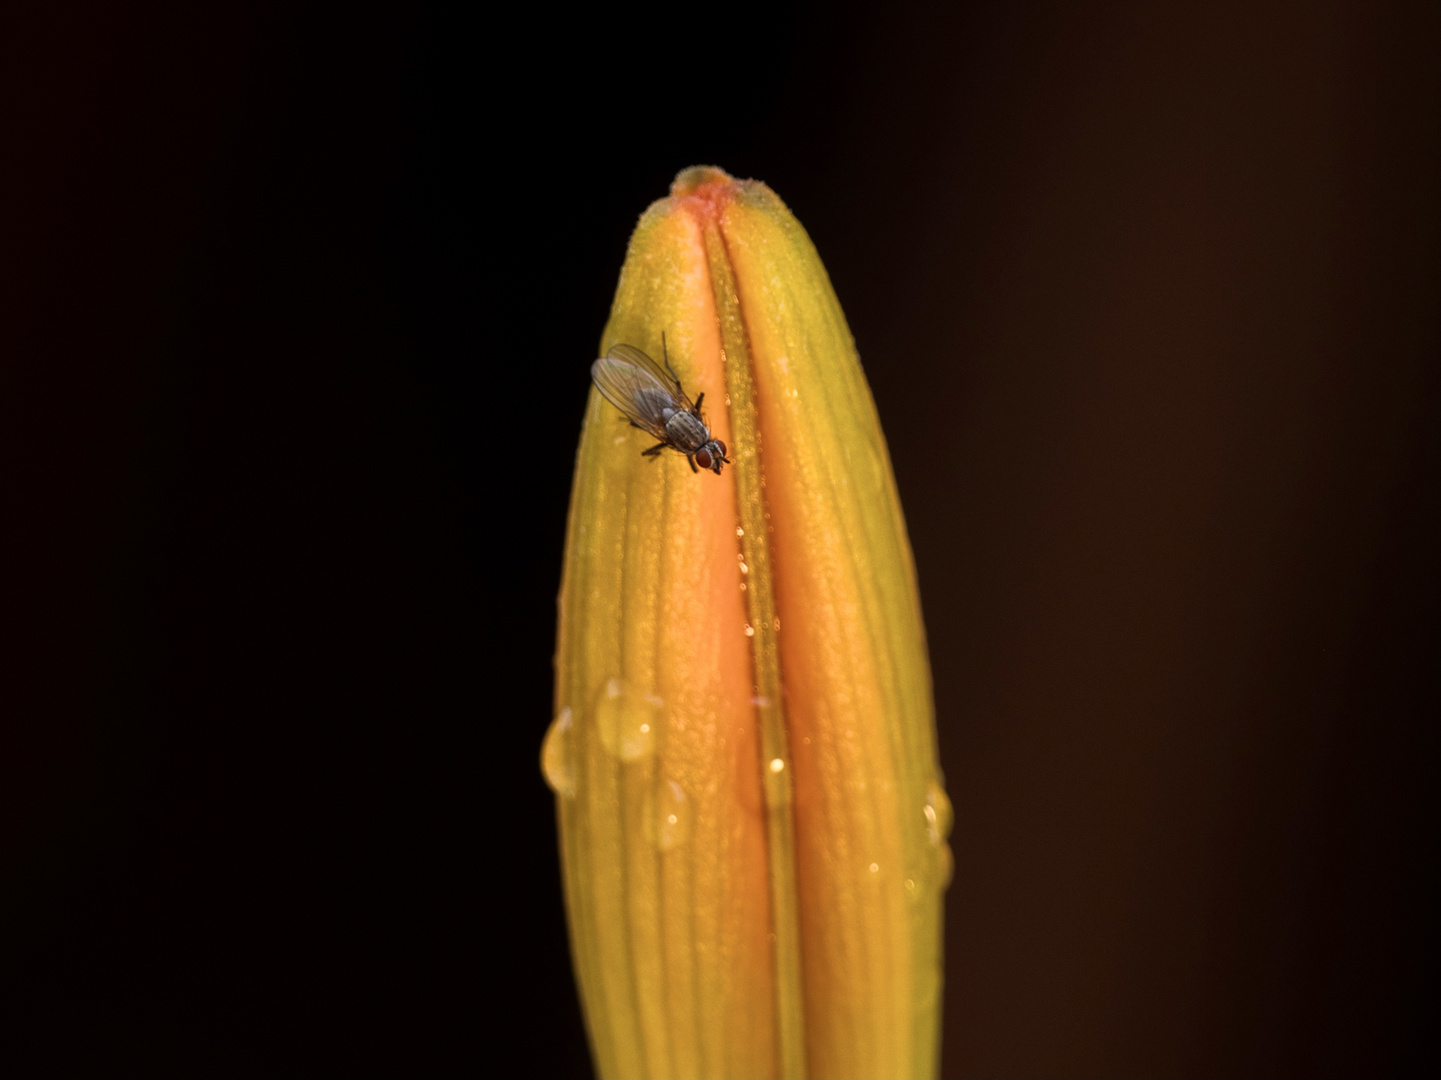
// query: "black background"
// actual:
[[298, 308]]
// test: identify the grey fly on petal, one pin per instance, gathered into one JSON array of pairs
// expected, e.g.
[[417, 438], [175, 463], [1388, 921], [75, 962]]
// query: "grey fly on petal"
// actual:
[[651, 398]]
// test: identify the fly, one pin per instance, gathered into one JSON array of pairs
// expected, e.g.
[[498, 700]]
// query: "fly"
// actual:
[[651, 398]]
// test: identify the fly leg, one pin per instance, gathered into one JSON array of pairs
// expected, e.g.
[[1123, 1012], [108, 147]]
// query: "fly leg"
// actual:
[[666, 357], [655, 450], [696, 410], [691, 458]]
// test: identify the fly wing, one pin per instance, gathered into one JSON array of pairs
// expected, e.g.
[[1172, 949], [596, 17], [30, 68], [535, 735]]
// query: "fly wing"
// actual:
[[635, 389], [662, 373]]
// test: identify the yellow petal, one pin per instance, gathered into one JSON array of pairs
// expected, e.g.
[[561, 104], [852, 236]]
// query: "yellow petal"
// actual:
[[752, 822]]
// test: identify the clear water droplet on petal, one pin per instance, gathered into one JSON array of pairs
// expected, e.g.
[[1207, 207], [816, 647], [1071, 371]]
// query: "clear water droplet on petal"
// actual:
[[939, 814], [627, 721], [557, 755], [667, 815]]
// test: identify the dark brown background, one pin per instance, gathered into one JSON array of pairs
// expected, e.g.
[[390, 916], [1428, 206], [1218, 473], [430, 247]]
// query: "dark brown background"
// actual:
[[298, 308]]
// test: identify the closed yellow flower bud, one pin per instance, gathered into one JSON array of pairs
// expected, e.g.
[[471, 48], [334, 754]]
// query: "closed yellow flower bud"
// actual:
[[752, 821]]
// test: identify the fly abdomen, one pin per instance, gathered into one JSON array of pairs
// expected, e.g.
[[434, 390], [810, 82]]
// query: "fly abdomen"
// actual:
[[687, 434]]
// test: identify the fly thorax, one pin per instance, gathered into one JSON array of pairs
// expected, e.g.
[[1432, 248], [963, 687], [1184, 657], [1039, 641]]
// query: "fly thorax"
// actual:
[[686, 432]]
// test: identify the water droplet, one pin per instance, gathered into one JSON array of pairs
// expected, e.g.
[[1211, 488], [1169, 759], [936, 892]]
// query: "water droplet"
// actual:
[[626, 720], [911, 892], [557, 755], [875, 868], [939, 814], [667, 815], [776, 783], [743, 586], [776, 622], [932, 873], [750, 630], [760, 700], [745, 569], [740, 531]]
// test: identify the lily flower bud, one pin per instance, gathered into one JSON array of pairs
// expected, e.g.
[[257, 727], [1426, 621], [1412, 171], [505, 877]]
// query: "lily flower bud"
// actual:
[[752, 820]]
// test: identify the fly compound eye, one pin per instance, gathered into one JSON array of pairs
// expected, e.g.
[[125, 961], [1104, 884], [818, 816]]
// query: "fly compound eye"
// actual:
[[721, 447], [702, 458]]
